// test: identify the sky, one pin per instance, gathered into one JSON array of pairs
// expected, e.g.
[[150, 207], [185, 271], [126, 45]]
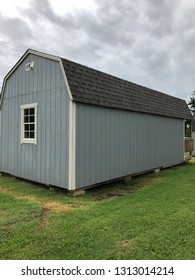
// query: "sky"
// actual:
[[148, 42]]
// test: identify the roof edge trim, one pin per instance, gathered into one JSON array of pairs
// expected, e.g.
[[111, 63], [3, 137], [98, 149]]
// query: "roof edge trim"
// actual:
[[65, 80]]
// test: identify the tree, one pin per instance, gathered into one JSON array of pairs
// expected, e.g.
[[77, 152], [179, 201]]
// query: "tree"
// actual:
[[191, 103], [187, 129]]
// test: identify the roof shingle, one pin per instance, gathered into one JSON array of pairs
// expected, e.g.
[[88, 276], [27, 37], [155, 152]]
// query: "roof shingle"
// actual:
[[91, 86]]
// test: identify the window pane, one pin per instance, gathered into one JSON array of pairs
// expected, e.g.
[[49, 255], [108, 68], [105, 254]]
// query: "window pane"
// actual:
[[31, 118], [32, 127], [26, 134], [25, 119], [32, 111], [26, 127], [32, 134], [26, 112]]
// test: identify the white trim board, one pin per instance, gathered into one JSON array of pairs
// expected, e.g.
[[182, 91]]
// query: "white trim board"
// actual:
[[65, 80], [72, 146]]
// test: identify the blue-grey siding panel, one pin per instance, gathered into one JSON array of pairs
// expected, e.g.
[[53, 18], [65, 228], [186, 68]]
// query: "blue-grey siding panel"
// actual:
[[46, 162], [112, 143]]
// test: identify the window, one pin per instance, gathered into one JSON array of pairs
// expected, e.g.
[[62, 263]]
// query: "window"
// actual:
[[29, 123]]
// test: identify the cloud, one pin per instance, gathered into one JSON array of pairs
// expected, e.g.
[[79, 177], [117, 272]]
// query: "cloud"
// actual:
[[14, 34], [14, 29], [150, 42]]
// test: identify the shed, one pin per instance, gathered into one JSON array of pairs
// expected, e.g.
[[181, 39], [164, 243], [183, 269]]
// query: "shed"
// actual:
[[193, 135], [68, 125]]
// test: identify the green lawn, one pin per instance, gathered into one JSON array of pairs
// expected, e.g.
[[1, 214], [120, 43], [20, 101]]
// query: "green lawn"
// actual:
[[151, 218]]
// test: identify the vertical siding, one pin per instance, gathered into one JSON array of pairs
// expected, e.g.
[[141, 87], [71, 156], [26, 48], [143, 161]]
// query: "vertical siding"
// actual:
[[46, 162], [193, 137], [112, 143]]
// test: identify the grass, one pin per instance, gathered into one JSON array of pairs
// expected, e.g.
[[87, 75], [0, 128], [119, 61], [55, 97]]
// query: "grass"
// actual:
[[151, 218]]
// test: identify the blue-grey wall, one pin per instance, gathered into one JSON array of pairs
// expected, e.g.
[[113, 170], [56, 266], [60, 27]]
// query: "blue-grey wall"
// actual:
[[46, 162], [112, 143]]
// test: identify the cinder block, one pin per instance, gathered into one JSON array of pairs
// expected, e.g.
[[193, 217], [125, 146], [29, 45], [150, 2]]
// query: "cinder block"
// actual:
[[77, 192], [127, 179], [156, 171]]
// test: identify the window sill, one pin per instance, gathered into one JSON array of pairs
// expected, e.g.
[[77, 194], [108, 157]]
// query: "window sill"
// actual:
[[28, 141]]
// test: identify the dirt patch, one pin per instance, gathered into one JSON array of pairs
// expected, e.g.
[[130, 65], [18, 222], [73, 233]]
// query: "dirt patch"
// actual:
[[43, 220], [122, 248], [56, 207], [49, 205], [5, 190], [53, 207], [126, 243], [107, 191], [111, 190]]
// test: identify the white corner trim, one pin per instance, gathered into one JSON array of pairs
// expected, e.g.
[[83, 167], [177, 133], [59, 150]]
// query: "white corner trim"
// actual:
[[65, 80], [72, 146]]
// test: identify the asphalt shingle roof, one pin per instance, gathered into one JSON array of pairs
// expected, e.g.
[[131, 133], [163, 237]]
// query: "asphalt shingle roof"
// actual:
[[91, 86]]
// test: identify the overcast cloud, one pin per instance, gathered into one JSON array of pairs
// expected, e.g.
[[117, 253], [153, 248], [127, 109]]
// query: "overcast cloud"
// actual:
[[149, 42]]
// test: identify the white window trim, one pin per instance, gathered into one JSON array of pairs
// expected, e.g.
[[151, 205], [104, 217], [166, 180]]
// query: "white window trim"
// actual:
[[25, 140]]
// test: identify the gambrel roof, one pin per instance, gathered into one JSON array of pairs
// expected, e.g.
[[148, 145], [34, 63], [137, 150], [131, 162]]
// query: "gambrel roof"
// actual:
[[91, 86], [94, 87]]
